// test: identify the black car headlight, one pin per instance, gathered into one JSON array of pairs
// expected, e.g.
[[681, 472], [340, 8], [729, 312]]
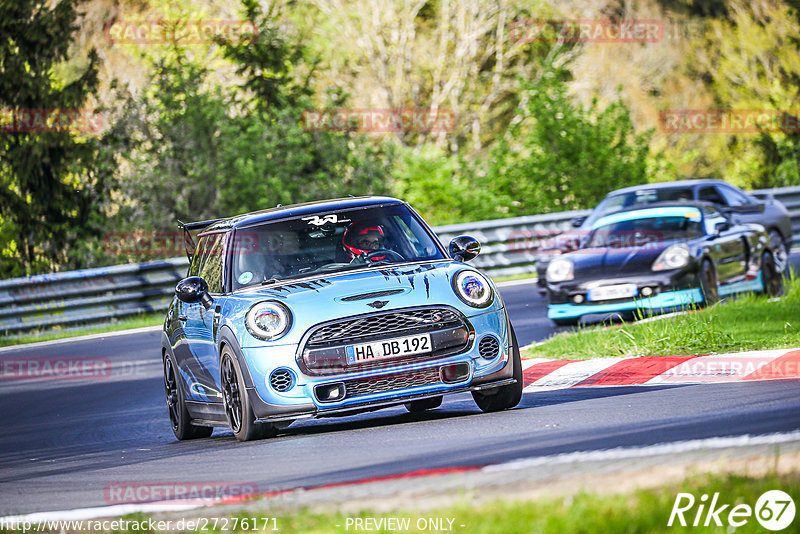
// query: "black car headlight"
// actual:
[[673, 257], [473, 288], [559, 270], [268, 320]]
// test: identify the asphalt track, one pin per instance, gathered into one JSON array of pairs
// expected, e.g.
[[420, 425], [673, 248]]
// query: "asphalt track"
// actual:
[[66, 442]]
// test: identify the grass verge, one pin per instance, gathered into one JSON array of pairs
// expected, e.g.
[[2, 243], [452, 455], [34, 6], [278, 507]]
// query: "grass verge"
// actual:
[[751, 322], [643, 510], [136, 321]]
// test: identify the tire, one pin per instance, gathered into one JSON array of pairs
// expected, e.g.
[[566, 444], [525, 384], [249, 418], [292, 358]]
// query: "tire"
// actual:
[[503, 397], [423, 405], [238, 409], [179, 418], [772, 278], [780, 251], [708, 283], [572, 321]]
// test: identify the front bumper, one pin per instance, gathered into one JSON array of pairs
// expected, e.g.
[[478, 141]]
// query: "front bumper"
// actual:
[[662, 302], [301, 400]]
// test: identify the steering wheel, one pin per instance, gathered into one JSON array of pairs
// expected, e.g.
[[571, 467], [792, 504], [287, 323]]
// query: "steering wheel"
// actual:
[[384, 254]]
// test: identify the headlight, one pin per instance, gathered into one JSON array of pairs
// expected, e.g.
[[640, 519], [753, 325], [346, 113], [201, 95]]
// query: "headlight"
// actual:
[[473, 288], [559, 270], [673, 257], [268, 320]]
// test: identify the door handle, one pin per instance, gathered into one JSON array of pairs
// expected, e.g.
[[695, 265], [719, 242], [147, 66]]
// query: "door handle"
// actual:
[[182, 318]]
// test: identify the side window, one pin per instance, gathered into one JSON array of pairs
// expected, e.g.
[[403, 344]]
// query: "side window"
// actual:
[[733, 197], [211, 270], [710, 194], [209, 260]]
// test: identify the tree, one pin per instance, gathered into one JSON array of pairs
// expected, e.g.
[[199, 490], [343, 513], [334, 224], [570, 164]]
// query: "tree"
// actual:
[[49, 185]]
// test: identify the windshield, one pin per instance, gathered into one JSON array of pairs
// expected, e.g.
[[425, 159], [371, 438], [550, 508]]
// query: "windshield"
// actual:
[[641, 196], [329, 242], [641, 232]]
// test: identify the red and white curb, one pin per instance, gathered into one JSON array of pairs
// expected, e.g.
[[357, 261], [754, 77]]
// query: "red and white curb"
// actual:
[[541, 374]]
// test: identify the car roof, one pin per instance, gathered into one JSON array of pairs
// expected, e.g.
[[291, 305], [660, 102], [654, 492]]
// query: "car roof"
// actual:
[[655, 209], [668, 185], [297, 210]]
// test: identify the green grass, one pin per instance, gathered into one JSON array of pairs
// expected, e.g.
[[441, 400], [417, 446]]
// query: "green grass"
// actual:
[[136, 321], [750, 322], [512, 277], [633, 512]]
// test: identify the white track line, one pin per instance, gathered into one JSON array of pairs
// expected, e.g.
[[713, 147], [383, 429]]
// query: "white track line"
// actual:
[[87, 337]]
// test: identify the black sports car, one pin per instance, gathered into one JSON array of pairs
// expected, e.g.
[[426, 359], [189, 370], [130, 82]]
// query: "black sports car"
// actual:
[[742, 207], [659, 258]]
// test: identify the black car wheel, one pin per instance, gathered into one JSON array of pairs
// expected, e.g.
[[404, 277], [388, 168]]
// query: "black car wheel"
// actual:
[[708, 283], [773, 281], [237, 404], [179, 418], [503, 397], [780, 252], [424, 404]]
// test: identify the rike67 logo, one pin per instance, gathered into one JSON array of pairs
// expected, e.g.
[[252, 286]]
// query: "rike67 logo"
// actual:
[[774, 510]]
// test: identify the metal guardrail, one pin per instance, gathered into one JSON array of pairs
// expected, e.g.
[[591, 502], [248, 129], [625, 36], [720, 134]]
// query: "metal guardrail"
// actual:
[[63, 300]]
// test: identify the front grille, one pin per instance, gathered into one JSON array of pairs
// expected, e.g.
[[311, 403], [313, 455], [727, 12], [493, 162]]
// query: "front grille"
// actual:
[[324, 350], [488, 347], [391, 382], [281, 380], [399, 322]]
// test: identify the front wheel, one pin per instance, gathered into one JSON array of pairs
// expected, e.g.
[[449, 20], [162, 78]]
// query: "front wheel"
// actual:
[[708, 283], [179, 418], [238, 409], [771, 276], [780, 252], [503, 397]]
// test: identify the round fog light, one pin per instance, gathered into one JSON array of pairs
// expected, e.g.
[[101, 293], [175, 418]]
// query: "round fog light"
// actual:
[[647, 291], [577, 299]]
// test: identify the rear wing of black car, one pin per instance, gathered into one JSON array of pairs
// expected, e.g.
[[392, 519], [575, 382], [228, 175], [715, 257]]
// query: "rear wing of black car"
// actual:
[[188, 239]]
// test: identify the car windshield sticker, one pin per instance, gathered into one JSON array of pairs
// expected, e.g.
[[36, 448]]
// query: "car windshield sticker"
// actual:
[[331, 218], [245, 277]]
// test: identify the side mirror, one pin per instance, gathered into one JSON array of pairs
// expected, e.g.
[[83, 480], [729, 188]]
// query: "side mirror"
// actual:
[[577, 222], [194, 289], [721, 227], [745, 208], [464, 248]]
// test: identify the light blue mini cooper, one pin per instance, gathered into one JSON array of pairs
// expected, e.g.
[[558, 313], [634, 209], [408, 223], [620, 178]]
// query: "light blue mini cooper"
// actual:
[[330, 308]]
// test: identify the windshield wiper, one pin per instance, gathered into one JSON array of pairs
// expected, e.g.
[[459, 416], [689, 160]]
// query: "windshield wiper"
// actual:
[[270, 282]]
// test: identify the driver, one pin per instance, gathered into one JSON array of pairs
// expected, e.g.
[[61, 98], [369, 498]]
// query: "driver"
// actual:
[[363, 238]]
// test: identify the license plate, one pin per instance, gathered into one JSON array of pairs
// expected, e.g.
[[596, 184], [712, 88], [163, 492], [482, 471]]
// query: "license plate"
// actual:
[[389, 348], [619, 291]]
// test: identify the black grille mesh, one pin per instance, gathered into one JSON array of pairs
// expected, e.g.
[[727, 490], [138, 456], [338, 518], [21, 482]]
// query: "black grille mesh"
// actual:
[[489, 347], [382, 324], [391, 382], [281, 380]]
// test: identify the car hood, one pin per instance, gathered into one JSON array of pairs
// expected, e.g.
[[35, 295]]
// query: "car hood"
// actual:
[[612, 262], [334, 297]]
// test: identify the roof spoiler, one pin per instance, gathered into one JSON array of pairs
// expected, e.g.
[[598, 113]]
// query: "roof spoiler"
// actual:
[[188, 240]]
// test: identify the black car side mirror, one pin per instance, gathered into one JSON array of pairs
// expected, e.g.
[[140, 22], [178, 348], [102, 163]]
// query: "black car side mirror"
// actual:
[[464, 248], [194, 289], [744, 208], [721, 227], [577, 222]]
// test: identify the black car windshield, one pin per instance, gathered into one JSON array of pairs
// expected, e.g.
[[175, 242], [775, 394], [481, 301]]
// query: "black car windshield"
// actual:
[[329, 242], [641, 232], [639, 197]]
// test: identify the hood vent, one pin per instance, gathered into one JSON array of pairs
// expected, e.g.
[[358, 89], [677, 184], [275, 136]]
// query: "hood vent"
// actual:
[[373, 295]]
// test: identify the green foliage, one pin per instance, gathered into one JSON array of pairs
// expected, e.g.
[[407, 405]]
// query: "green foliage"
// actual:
[[49, 185], [563, 155]]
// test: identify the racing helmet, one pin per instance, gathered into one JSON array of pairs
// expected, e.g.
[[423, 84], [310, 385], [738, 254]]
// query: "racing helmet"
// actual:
[[363, 237]]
